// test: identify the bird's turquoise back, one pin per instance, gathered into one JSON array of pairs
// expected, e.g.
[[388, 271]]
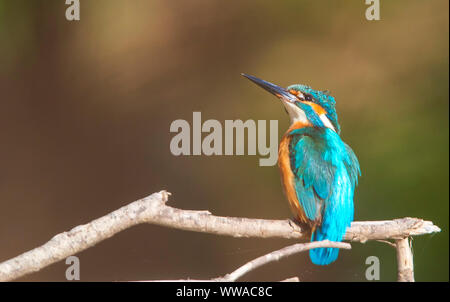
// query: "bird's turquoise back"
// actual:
[[325, 171]]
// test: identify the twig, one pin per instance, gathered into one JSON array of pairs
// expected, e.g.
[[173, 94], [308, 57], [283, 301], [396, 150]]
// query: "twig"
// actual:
[[404, 261], [153, 209], [270, 257], [388, 243], [277, 255]]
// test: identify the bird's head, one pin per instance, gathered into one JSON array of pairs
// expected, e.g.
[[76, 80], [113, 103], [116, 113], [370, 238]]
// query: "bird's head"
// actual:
[[304, 104]]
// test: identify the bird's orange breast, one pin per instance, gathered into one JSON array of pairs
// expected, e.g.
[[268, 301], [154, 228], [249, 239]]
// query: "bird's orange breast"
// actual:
[[287, 176]]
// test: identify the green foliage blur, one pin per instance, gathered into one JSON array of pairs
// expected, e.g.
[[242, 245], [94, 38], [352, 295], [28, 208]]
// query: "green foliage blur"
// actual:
[[87, 105]]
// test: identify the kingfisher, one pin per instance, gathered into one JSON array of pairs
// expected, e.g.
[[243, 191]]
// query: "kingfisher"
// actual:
[[319, 172]]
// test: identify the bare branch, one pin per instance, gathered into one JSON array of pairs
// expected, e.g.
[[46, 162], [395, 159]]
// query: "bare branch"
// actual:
[[153, 209], [388, 243], [270, 257], [277, 255], [404, 261], [293, 279]]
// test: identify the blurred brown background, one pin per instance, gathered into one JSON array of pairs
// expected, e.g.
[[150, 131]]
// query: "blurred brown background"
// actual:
[[86, 108]]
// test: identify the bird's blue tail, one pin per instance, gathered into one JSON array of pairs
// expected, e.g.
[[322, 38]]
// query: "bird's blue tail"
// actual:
[[333, 230], [337, 217], [323, 256]]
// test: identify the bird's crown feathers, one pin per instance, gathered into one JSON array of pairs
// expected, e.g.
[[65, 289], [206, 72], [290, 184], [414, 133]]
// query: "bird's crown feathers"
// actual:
[[321, 98]]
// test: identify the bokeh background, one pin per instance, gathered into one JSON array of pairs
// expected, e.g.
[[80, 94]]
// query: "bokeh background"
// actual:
[[86, 108]]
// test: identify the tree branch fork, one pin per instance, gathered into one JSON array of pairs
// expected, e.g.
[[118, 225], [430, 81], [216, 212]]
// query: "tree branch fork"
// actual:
[[153, 209]]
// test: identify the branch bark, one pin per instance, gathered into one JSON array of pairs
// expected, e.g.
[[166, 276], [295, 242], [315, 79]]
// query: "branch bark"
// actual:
[[404, 260], [153, 209], [277, 255], [270, 257]]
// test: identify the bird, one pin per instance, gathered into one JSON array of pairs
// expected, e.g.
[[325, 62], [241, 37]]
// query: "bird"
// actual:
[[319, 172]]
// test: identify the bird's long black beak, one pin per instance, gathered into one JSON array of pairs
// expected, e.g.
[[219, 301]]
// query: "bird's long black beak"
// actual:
[[272, 88]]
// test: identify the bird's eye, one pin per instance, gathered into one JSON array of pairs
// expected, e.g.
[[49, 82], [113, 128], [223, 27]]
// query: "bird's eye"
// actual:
[[308, 97]]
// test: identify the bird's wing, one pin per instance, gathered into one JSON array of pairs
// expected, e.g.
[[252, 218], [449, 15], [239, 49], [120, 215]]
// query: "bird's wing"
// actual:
[[352, 165], [314, 175]]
